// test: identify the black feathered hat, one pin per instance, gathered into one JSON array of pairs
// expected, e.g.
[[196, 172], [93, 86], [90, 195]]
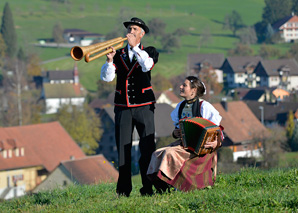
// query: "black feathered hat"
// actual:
[[138, 22]]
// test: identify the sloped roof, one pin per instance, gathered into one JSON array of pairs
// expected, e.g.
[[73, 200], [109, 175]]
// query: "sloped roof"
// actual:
[[239, 63], [239, 122], [169, 94], [254, 94], [281, 22], [44, 144], [99, 103], [273, 112], [280, 93], [67, 90], [272, 67], [91, 170], [288, 19], [216, 60], [59, 74], [78, 32]]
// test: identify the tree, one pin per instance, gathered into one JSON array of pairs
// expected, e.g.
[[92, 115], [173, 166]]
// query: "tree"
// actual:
[[290, 126], [293, 142], [82, 124], [233, 22], [241, 50], [8, 31], [160, 83], [267, 52], [209, 77], [2, 51], [58, 33], [273, 144], [21, 106], [104, 89], [169, 41], [157, 27], [247, 35], [295, 6], [275, 10], [33, 66], [205, 38], [181, 32], [293, 52]]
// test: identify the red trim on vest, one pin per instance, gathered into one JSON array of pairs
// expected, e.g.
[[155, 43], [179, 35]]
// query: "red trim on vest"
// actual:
[[135, 105], [147, 88]]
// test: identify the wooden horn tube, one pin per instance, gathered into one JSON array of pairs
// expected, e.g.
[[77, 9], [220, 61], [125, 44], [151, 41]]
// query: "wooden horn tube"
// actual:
[[77, 52]]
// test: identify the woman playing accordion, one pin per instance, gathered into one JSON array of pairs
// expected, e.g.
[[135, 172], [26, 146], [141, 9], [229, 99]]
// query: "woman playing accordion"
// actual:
[[179, 167]]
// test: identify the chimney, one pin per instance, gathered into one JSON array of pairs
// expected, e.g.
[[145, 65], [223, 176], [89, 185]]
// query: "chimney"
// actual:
[[75, 74], [224, 103]]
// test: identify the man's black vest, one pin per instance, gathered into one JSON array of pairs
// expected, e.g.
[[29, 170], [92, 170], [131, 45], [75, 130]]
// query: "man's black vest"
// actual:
[[133, 86]]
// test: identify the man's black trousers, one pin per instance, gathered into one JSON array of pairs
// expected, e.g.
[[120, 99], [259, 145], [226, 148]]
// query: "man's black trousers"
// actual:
[[125, 120]]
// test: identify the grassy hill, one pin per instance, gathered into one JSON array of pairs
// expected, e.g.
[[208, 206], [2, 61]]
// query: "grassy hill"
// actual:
[[34, 19], [249, 190]]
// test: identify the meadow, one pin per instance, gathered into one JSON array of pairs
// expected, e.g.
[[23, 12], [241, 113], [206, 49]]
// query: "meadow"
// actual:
[[249, 190], [35, 19]]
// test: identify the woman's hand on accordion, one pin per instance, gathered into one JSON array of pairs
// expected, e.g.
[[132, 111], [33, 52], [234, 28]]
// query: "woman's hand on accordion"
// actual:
[[211, 144], [177, 133]]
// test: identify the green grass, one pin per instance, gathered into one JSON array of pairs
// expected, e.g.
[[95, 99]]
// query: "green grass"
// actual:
[[249, 190]]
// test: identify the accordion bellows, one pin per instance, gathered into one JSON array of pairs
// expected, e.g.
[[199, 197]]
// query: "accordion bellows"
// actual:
[[196, 132]]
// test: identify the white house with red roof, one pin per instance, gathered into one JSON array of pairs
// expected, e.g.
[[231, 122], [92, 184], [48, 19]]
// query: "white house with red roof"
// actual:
[[287, 27], [62, 88], [28, 154]]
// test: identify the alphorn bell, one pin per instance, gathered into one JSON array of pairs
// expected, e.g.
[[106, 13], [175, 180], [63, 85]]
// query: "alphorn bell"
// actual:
[[77, 53]]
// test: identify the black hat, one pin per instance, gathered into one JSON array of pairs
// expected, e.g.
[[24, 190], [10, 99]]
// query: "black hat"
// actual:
[[138, 22]]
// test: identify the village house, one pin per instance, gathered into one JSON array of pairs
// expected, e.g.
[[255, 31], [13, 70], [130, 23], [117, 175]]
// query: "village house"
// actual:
[[272, 113], [28, 154], [167, 97], [62, 87], [89, 170], [213, 62], [282, 73], [81, 37], [287, 28], [241, 127], [238, 71]]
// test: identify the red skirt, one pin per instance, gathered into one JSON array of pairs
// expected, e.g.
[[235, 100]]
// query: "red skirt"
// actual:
[[196, 172]]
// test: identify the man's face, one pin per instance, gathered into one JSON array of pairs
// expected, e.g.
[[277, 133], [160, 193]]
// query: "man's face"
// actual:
[[137, 31]]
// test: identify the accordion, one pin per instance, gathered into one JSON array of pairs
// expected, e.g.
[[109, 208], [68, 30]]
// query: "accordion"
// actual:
[[196, 132]]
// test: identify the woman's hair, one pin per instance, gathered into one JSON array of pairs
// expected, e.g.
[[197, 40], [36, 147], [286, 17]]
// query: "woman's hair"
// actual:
[[197, 83]]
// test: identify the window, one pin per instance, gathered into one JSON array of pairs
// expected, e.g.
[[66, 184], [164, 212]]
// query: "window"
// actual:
[[9, 153], [17, 152], [4, 153], [22, 151]]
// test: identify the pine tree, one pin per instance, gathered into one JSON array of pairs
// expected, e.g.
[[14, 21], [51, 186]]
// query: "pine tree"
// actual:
[[8, 31], [290, 126], [293, 143]]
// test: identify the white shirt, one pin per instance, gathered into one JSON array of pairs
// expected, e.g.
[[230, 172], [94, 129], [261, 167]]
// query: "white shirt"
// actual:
[[108, 70], [207, 111]]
